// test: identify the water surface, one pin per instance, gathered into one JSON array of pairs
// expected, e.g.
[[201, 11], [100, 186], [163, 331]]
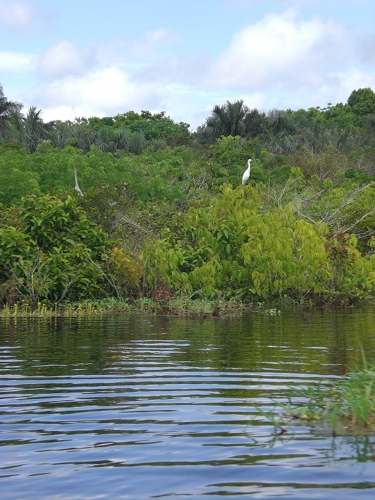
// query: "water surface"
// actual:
[[138, 408]]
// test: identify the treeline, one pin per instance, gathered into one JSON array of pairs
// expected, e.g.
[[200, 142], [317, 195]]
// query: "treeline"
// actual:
[[163, 213], [346, 126]]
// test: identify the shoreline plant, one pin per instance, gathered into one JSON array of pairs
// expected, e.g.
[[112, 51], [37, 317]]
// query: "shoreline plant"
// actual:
[[176, 307], [342, 407]]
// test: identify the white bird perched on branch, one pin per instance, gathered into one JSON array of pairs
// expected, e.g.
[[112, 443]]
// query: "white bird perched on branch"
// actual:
[[246, 174]]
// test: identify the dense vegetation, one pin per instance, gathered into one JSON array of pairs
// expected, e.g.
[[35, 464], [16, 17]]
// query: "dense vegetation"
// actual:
[[164, 215]]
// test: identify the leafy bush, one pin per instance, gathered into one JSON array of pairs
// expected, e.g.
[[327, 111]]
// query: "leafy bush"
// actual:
[[237, 249], [56, 253]]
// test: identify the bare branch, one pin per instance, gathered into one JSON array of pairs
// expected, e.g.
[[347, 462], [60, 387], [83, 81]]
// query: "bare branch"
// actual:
[[76, 187], [133, 223], [332, 217], [358, 221]]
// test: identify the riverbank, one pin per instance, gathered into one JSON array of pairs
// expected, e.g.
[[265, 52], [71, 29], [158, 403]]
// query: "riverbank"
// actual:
[[181, 307], [175, 307]]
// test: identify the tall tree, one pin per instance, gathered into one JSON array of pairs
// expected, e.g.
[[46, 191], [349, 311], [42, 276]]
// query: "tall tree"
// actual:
[[34, 130], [228, 119], [362, 101], [10, 114]]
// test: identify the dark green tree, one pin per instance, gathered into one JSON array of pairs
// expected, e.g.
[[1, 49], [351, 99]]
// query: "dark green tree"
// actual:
[[52, 252], [227, 119], [10, 115], [362, 101], [33, 131], [255, 123]]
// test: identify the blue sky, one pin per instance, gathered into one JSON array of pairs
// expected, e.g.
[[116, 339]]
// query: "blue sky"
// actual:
[[99, 58]]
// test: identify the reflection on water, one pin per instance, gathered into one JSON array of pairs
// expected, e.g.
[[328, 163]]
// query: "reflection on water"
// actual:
[[127, 407]]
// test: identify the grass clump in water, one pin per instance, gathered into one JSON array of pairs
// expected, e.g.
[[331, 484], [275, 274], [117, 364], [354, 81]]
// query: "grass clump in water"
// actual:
[[346, 406]]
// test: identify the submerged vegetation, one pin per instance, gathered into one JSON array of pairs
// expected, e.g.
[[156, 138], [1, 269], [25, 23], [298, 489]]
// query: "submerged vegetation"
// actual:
[[138, 212]]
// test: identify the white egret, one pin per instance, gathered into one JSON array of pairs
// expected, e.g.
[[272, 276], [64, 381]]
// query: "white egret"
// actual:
[[246, 174]]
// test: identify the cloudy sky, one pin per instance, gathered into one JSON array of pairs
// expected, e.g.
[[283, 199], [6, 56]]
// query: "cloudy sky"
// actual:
[[74, 58]]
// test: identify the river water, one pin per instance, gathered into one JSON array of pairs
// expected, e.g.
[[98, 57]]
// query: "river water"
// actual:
[[145, 407]]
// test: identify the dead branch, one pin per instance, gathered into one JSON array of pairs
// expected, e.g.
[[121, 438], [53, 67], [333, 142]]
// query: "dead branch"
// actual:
[[133, 223], [76, 187]]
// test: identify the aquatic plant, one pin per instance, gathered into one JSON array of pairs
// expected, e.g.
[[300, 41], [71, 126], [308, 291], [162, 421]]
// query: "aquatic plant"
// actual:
[[24, 309], [345, 406]]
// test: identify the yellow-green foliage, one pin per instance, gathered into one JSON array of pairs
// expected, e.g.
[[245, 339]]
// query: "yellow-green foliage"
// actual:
[[125, 267], [285, 253], [235, 247]]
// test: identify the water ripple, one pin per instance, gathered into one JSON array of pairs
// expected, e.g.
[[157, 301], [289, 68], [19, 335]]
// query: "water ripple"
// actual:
[[151, 424]]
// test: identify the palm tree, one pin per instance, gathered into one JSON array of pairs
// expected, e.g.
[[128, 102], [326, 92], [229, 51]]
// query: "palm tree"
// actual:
[[228, 119], [10, 117], [33, 131], [256, 123]]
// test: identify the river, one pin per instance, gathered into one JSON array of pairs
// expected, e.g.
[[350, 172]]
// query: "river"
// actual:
[[129, 407]]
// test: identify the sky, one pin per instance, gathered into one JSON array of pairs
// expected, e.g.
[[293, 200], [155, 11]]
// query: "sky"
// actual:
[[75, 58]]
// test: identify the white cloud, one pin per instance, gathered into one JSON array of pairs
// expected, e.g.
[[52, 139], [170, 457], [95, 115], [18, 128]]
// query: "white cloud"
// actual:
[[350, 80], [137, 51], [23, 15], [281, 51], [62, 113], [279, 62], [176, 70], [109, 91], [93, 84], [151, 41], [16, 61], [256, 100], [102, 92], [17, 14], [156, 36], [64, 59]]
